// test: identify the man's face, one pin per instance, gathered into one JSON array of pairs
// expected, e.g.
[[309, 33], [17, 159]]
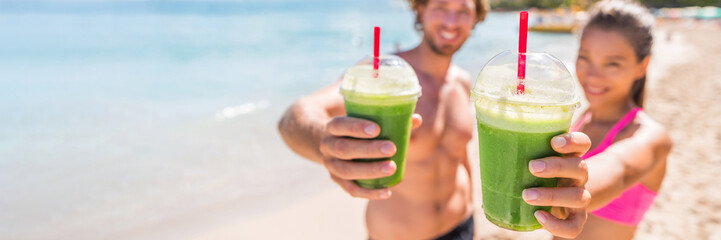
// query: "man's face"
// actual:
[[447, 24]]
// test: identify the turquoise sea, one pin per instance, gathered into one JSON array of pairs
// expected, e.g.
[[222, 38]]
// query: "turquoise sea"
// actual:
[[126, 119]]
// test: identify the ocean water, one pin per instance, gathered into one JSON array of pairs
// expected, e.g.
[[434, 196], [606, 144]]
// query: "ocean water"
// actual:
[[127, 119]]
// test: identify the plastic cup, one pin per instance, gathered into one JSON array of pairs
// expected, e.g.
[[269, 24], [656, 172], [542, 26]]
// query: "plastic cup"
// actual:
[[386, 96], [515, 128]]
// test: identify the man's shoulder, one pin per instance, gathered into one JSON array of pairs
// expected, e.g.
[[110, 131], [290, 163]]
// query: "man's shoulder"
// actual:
[[460, 75]]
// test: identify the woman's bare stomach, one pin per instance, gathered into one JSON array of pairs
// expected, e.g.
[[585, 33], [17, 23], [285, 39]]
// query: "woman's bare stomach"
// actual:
[[423, 206], [598, 228]]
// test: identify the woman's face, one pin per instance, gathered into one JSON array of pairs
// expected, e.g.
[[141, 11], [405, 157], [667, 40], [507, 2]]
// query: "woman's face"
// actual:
[[607, 66]]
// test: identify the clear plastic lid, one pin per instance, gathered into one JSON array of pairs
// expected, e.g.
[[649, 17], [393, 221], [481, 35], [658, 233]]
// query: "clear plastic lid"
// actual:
[[394, 78], [548, 83]]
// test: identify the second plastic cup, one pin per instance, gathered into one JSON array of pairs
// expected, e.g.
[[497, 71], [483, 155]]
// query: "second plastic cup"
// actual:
[[516, 128], [386, 96]]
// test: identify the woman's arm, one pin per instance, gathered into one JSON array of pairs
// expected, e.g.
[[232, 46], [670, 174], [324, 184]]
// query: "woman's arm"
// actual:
[[625, 163]]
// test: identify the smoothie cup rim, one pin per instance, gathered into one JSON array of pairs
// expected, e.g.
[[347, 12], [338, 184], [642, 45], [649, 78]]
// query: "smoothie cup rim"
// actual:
[[416, 93], [476, 96]]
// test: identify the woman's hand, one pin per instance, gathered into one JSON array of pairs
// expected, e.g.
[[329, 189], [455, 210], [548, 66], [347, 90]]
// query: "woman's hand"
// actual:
[[570, 198]]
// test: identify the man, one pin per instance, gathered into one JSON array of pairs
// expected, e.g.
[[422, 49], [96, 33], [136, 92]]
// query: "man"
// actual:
[[434, 200]]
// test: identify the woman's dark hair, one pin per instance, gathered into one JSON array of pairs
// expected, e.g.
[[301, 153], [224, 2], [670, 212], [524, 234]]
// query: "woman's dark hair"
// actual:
[[632, 21]]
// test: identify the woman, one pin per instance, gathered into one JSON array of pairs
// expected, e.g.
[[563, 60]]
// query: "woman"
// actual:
[[627, 160]]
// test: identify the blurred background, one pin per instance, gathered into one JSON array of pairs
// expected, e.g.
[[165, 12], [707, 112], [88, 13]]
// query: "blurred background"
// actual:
[[141, 119]]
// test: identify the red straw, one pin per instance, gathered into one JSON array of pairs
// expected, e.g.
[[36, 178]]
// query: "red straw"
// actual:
[[376, 48], [522, 42]]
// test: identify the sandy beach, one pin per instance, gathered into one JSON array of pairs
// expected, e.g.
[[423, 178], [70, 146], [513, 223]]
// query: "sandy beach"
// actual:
[[683, 98], [683, 94]]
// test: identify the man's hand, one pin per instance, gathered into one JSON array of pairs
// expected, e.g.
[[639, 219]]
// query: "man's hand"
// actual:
[[347, 138], [570, 198]]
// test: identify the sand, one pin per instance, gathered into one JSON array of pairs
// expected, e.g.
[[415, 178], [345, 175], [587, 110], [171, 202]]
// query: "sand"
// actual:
[[685, 99], [683, 94]]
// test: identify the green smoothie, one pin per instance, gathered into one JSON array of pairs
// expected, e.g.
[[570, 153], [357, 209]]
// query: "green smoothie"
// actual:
[[504, 154], [386, 96], [515, 127], [395, 123], [509, 136]]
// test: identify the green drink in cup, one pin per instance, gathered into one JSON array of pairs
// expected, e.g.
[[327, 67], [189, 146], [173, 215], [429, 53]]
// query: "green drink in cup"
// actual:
[[383, 89], [516, 126]]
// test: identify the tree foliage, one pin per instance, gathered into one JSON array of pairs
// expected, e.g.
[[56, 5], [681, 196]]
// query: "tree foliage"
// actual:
[[524, 4]]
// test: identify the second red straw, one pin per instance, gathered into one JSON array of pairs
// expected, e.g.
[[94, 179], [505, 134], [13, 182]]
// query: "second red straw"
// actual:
[[376, 47], [522, 42]]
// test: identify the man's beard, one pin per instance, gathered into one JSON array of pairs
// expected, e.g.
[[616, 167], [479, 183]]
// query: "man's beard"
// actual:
[[447, 50]]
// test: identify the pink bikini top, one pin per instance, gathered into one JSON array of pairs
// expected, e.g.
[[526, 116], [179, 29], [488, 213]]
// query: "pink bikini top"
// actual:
[[629, 208]]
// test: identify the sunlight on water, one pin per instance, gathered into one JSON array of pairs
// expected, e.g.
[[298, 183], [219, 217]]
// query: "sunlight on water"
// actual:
[[238, 110]]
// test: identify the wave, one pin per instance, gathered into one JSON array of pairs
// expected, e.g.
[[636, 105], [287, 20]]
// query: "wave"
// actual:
[[238, 110]]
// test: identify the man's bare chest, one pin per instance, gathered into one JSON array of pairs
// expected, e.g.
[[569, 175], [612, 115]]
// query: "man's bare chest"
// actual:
[[447, 124]]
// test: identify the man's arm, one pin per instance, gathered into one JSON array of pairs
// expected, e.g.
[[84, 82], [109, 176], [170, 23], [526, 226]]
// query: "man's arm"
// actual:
[[315, 128], [304, 122]]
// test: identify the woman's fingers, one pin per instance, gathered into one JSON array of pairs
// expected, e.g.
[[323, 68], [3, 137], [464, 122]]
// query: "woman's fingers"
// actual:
[[356, 191], [566, 228], [572, 197], [562, 167], [574, 143]]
